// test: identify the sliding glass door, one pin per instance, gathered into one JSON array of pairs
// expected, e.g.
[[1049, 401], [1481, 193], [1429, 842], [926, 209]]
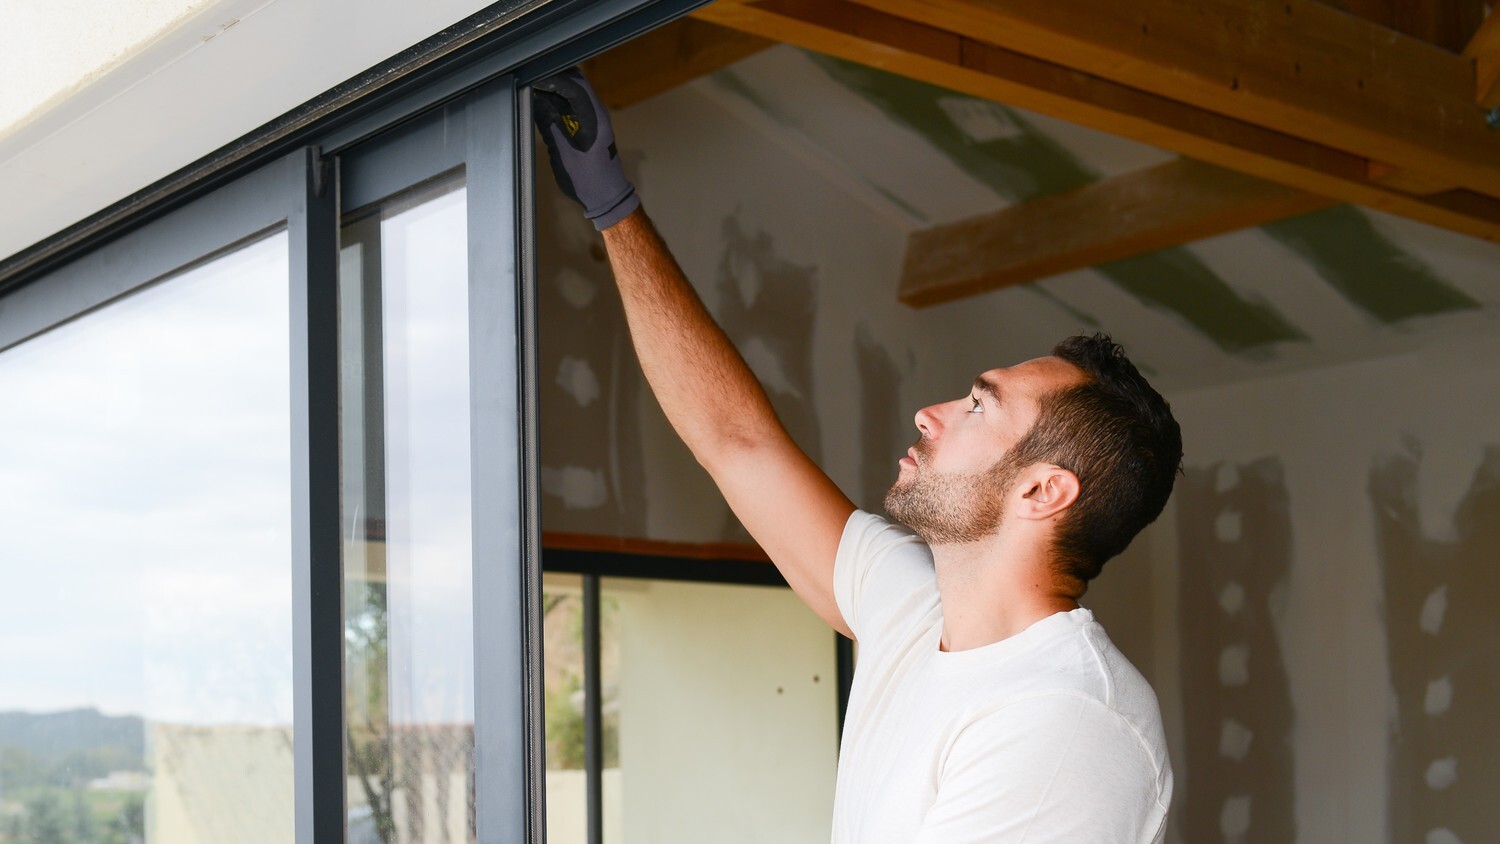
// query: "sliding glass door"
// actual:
[[270, 557], [152, 566], [431, 321]]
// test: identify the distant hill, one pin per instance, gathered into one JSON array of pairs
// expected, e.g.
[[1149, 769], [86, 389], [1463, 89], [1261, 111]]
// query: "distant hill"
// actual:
[[59, 733], [69, 747]]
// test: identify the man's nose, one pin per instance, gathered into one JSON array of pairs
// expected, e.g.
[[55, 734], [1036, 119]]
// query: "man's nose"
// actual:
[[927, 420]]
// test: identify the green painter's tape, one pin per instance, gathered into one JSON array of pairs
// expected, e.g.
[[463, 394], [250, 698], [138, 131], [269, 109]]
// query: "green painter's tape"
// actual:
[[1018, 167], [1366, 267], [1028, 164], [1175, 280]]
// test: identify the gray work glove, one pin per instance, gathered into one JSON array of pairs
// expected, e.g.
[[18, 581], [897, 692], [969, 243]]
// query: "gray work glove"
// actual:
[[581, 145]]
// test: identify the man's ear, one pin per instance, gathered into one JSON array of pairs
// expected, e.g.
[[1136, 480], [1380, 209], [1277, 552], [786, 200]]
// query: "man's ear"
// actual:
[[1045, 491]]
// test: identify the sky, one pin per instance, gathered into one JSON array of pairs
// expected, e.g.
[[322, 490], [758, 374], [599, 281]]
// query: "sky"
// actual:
[[145, 506]]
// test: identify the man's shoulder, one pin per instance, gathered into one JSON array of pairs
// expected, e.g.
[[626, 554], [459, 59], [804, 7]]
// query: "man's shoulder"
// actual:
[[880, 568], [1075, 655], [867, 532]]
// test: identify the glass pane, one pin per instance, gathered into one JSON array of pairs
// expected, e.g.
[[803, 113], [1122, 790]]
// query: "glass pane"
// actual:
[[145, 477], [726, 702], [409, 625], [563, 691]]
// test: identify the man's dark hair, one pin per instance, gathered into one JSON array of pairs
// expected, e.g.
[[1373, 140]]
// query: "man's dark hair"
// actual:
[[1118, 436]]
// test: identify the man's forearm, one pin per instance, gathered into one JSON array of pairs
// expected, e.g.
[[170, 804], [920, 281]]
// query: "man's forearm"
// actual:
[[705, 388]]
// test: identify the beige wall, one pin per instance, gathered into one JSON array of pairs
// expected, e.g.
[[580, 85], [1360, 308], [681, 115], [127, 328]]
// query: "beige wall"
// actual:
[[728, 705], [220, 784]]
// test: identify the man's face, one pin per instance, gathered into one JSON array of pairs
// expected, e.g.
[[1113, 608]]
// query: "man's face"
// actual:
[[953, 482]]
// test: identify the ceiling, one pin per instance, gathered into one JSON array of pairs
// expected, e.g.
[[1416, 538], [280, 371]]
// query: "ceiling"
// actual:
[[1331, 285]]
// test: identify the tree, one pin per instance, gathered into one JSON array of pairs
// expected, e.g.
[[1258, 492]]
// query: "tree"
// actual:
[[45, 820]]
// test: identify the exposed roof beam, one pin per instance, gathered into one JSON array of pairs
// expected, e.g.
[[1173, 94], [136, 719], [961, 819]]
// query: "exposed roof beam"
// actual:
[[1484, 51], [1292, 66], [1406, 181], [944, 58], [1446, 23], [667, 57], [1450, 24], [1167, 205]]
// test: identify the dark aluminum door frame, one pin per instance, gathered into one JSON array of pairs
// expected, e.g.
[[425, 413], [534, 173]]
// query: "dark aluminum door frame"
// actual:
[[287, 174]]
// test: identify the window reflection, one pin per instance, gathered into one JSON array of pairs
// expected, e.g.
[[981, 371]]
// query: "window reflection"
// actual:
[[409, 629], [145, 503]]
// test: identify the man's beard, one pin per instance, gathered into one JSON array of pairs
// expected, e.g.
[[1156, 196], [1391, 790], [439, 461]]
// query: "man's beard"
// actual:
[[950, 509]]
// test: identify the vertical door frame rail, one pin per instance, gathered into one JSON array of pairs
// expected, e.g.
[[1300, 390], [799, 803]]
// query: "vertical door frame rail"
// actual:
[[317, 561], [286, 174]]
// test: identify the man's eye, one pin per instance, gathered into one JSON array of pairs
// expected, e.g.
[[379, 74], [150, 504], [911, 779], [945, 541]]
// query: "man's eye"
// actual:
[[977, 408]]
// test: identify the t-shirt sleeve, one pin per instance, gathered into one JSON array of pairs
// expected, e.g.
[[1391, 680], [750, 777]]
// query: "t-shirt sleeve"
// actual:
[[880, 568], [1054, 768]]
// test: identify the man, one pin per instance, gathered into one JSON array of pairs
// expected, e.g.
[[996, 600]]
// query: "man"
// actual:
[[987, 706]]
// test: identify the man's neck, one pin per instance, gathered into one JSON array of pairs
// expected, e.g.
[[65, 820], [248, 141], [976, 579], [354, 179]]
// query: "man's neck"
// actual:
[[993, 589]]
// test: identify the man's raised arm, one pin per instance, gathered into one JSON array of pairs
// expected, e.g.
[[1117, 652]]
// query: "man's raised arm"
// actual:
[[707, 391]]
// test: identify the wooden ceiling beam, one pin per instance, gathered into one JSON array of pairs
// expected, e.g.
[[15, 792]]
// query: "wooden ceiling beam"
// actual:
[[1484, 51], [1446, 23], [944, 58], [665, 58], [1296, 67], [1167, 205]]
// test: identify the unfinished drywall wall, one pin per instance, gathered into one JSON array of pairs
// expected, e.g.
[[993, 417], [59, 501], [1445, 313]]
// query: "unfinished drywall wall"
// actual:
[[1234, 529], [1441, 591], [589, 385], [1383, 618]]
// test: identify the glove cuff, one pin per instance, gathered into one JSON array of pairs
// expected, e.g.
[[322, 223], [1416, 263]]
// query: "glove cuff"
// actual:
[[618, 210]]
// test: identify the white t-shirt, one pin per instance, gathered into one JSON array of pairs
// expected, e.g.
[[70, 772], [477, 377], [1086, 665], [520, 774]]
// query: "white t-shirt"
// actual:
[[1049, 735]]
